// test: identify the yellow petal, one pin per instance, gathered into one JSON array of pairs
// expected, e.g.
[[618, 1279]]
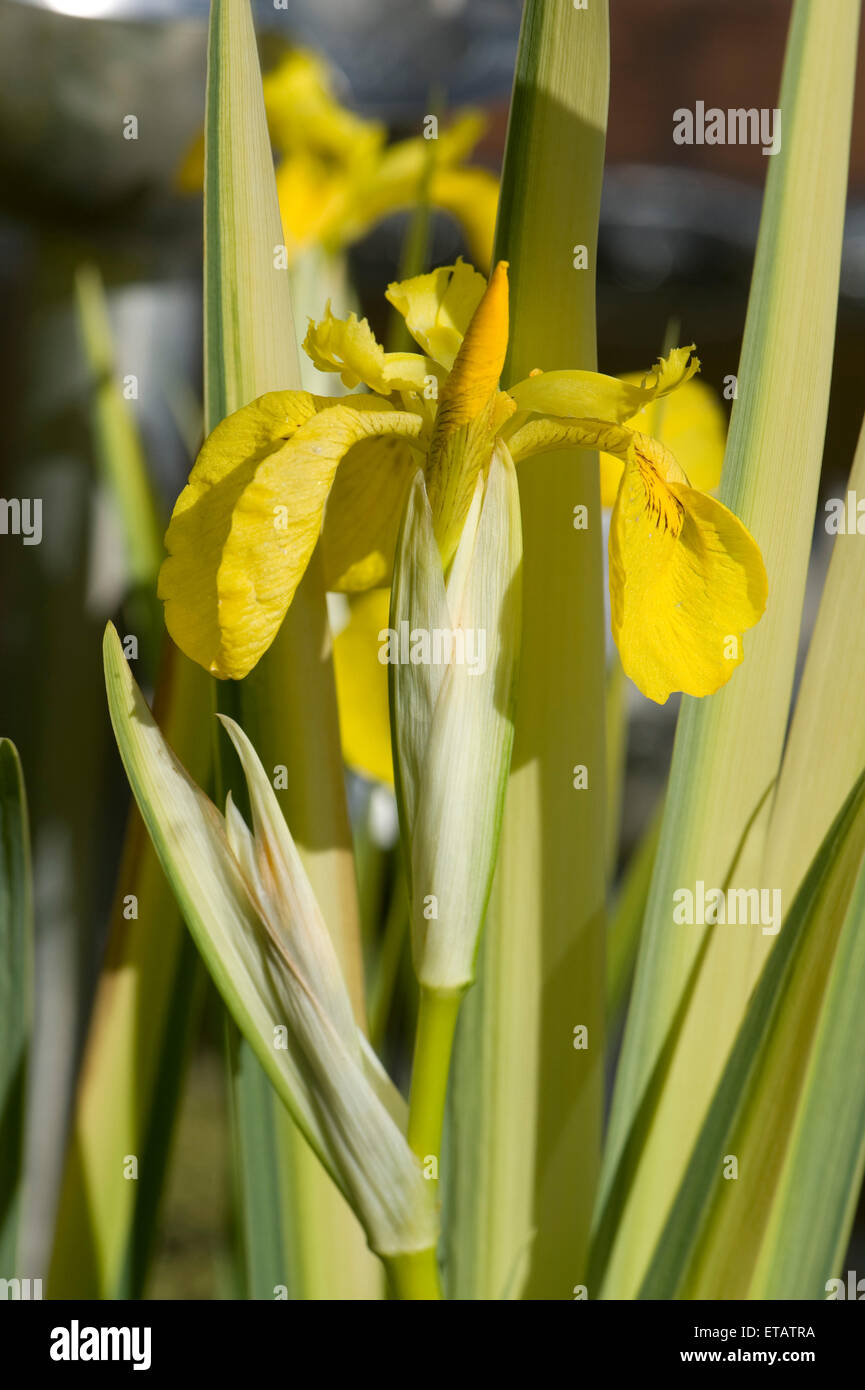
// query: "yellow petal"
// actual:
[[438, 308], [312, 200], [364, 510], [591, 395], [686, 580], [543, 435], [456, 142], [190, 176], [693, 426], [349, 346], [247, 522], [401, 175], [303, 114], [361, 687], [670, 372], [472, 197]]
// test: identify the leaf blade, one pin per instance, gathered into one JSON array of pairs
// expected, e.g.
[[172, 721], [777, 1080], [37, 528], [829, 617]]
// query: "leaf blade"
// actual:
[[780, 413], [16, 993]]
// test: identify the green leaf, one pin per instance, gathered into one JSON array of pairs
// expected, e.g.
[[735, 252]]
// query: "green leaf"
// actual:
[[826, 744], [122, 465], [527, 1106], [816, 1196], [16, 995], [616, 756], [288, 704], [250, 344], [147, 996], [728, 747], [773, 1077], [626, 917]]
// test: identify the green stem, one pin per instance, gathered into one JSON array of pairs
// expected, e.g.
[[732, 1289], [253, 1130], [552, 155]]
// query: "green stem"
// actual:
[[416, 244], [415, 1276], [434, 1040]]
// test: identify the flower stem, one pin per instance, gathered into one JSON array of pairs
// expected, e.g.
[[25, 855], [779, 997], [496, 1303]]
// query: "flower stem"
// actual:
[[415, 1276], [434, 1038]]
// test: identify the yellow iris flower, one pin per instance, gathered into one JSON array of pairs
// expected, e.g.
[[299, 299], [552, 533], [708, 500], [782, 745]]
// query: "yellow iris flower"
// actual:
[[686, 578], [690, 422], [337, 176]]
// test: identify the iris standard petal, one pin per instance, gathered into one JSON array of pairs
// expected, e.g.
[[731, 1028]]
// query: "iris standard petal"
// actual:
[[349, 346], [438, 308]]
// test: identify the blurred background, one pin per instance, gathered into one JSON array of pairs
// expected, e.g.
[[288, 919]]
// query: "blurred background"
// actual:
[[677, 240]]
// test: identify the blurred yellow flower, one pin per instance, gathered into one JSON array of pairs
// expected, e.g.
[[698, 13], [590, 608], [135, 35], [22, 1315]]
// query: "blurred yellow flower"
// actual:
[[337, 176], [361, 686]]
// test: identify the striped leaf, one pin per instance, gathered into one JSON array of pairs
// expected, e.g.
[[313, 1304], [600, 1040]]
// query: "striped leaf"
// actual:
[[784, 1101], [728, 748], [527, 1104], [287, 706], [16, 996]]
